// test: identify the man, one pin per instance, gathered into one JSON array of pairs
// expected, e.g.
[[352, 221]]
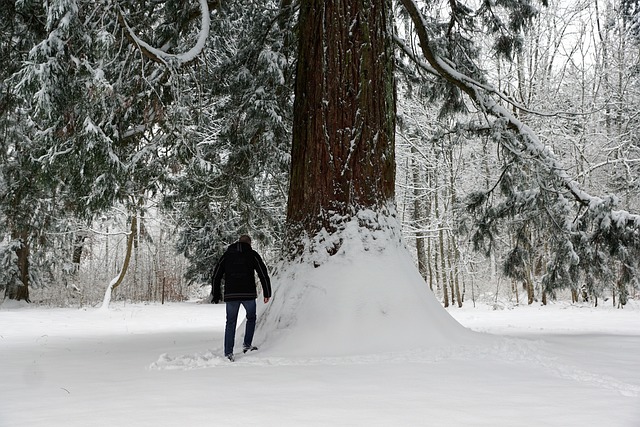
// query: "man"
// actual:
[[237, 265]]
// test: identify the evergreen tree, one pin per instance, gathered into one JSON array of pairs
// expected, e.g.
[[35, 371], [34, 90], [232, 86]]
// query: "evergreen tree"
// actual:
[[234, 182], [25, 204], [102, 113]]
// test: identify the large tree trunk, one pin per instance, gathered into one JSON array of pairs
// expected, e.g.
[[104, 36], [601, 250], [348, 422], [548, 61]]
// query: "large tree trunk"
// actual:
[[344, 115], [342, 280]]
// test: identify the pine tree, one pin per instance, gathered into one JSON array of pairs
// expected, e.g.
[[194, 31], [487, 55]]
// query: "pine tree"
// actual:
[[235, 180], [24, 202], [103, 119]]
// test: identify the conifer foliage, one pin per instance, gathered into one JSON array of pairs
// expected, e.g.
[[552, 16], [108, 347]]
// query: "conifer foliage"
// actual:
[[234, 180], [569, 235], [90, 119]]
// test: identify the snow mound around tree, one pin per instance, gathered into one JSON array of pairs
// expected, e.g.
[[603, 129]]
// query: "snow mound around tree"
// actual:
[[366, 298]]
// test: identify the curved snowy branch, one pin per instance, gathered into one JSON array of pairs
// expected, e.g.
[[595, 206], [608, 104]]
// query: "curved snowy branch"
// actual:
[[161, 56]]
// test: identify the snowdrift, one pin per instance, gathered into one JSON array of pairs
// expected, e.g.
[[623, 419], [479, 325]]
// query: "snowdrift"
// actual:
[[367, 298]]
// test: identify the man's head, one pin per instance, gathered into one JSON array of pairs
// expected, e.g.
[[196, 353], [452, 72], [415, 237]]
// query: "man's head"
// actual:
[[245, 239]]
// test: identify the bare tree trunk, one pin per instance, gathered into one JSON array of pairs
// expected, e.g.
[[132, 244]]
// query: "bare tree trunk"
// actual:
[[430, 266], [436, 262], [125, 265], [418, 213], [440, 251], [454, 253], [623, 292], [613, 296], [78, 247], [19, 290], [423, 267], [528, 284], [574, 295], [443, 266], [455, 272], [454, 294]]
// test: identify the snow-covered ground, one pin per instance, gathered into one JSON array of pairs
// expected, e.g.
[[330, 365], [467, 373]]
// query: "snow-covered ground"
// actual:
[[161, 365]]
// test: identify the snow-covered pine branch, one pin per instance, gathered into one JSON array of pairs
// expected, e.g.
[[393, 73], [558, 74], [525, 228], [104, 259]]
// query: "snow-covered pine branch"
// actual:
[[530, 143]]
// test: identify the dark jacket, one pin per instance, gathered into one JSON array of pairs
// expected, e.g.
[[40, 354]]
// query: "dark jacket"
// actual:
[[237, 265]]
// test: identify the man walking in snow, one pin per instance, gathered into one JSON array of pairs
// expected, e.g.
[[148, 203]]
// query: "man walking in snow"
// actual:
[[238, 265]]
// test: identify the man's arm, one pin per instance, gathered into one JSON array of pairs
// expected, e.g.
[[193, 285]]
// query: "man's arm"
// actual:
[[263, 275]]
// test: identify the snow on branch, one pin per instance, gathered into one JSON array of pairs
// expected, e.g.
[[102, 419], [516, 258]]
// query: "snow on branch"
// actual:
[[161, 56], [531, 144]]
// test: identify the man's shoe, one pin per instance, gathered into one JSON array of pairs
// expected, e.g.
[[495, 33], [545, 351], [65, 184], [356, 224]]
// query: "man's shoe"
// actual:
[[230, 357], [246, 348]]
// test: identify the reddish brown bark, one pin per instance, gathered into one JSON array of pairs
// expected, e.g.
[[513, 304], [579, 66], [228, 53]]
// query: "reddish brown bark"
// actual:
[[344, 113]]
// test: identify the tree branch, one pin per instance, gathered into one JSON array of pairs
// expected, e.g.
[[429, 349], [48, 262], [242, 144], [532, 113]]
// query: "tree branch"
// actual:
[[531, 145], [159, 55]]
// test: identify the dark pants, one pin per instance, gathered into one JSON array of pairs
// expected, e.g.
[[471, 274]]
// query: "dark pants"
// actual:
[[233, 307]]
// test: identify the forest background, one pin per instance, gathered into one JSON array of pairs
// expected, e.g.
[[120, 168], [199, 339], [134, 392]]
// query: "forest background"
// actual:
[[119, 162]]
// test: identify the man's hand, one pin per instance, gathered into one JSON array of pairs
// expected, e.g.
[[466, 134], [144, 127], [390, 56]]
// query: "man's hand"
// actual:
[[214, 299], [266, 300]]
